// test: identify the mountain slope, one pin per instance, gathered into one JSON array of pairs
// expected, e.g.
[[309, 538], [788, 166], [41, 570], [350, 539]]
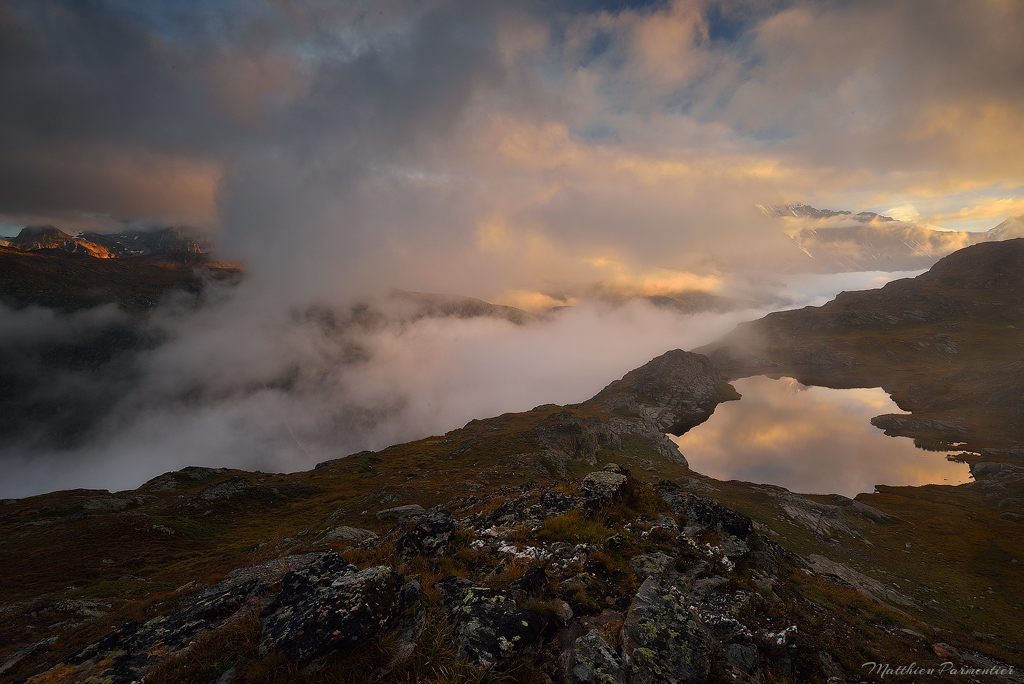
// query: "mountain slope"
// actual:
[[948, 346], [48, 267], [540, 559]]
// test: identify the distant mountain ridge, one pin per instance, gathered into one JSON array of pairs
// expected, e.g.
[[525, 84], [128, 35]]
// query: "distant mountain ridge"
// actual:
[[109, 245], [48, 267], [837, 241]]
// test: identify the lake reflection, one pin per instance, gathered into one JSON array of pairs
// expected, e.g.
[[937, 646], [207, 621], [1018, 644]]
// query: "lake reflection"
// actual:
[[811, 440]]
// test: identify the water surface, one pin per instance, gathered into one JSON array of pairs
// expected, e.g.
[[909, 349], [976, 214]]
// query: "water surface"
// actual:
[[811, 440]]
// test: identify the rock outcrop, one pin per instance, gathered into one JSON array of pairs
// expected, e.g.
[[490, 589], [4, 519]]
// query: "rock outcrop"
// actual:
[[488, 624], [662, 640], [328, 608]]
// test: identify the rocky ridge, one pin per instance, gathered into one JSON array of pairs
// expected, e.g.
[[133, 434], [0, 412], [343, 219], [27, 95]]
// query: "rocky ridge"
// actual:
[[564, 544], [946, 345]]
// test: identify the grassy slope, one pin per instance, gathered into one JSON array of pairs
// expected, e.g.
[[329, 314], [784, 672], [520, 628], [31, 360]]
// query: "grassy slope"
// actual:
[[53, 550]]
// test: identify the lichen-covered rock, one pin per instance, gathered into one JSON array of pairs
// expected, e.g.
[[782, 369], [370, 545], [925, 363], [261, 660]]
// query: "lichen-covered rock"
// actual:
[[593, 661], [329, 607], [604, 486], [662, 640], [658, 565], [488, 625], [518, 511], [431, 537], [703, 513]]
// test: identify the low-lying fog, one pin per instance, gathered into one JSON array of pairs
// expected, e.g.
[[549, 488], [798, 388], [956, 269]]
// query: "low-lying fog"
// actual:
[[235, 384]]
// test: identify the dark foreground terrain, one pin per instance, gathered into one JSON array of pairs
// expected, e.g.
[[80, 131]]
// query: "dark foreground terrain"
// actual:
[[569, 543]]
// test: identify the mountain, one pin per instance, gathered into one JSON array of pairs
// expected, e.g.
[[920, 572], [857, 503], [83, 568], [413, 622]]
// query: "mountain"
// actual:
[[108, 245], [47, 267], [1012, 227], [947, 345], [838, 241], [569, 543]]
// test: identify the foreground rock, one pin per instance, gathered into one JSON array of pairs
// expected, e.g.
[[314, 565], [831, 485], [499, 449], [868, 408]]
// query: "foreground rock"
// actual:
[[127, 653], [329, 607], [431, 537], [488, 624], [662, 640]]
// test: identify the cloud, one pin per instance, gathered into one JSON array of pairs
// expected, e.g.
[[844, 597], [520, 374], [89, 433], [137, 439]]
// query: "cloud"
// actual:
[[534, 153], [333, 146]]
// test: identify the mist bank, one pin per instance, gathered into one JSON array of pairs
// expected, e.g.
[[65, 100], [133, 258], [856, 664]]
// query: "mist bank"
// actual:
[[108, 400]]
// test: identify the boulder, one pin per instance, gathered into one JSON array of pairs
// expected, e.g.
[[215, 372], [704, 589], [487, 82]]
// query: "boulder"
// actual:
[[703, 513], [330, 607], [431, 537], [604, 486], [593, 661], [488, 625], [662, 640]]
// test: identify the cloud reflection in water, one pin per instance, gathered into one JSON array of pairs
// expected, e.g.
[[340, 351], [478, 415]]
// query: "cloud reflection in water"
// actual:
[[811, 440]]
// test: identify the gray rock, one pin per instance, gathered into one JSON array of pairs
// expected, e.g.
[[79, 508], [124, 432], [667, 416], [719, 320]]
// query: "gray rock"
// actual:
[[488, 625], [593, 661], [703, 513], [399, 512], [824, 520], [742, 656], [988, 470], [518, 512], [603, 486], [563, 611], [328, 608], [655, 565], [409, 603], [662, 640], [431, 537]]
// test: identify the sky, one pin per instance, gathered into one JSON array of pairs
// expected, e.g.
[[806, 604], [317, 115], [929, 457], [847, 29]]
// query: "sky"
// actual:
[[527, 153], [508, 150]]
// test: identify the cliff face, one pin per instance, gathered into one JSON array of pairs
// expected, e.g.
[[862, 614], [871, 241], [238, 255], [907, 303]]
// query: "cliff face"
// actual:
[[948, 345], [566, 543]]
